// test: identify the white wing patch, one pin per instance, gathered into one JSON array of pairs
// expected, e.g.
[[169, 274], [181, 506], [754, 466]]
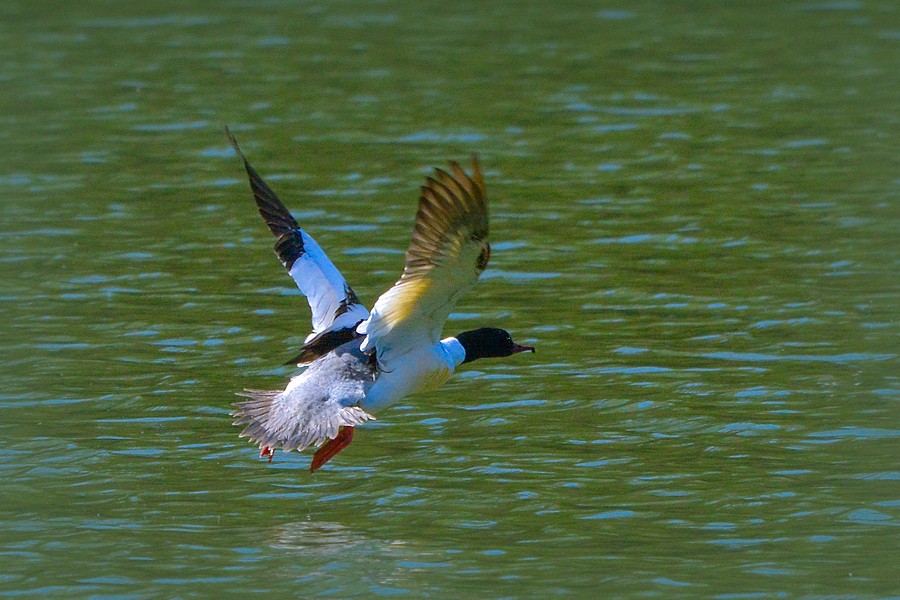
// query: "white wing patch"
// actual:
[[334, 305]]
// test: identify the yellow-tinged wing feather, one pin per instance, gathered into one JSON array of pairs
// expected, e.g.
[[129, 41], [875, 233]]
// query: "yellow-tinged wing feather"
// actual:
[[449, 250]]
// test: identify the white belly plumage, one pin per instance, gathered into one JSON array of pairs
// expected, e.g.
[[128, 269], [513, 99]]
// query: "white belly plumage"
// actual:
[[419, 371]]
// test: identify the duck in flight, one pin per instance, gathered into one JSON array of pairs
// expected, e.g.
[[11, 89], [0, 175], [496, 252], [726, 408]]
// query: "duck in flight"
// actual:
[[356, 361]]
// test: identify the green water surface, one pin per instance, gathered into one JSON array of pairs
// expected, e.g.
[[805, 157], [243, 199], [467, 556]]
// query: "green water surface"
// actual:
[[694, 218]]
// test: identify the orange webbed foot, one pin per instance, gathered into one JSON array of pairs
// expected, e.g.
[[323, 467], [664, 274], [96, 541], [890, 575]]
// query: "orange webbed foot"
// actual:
[[266, 452], [330, 448]]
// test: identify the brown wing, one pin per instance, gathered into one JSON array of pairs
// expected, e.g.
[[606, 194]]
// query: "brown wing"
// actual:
[[449, 250]]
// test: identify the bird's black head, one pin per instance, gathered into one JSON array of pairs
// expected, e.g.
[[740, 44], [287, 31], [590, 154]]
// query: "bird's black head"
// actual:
[[489, 342]]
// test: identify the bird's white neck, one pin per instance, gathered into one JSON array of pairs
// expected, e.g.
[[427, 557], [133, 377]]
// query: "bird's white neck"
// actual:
[[454, 350]]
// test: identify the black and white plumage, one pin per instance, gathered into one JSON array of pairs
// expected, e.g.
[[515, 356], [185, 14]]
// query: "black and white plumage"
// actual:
[[357, 362], [336, 311]]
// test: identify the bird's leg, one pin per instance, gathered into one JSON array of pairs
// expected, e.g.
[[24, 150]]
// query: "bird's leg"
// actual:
[[331, 448], [265, 451]]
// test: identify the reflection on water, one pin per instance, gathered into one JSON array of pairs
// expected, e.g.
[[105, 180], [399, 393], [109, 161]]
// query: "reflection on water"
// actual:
[[692, 219], [324, 539]]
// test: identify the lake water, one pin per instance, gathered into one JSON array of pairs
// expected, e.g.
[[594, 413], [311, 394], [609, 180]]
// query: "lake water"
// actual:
[[694, 218]]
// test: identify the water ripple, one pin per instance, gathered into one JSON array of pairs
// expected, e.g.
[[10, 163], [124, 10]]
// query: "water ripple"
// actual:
[[835, 358]]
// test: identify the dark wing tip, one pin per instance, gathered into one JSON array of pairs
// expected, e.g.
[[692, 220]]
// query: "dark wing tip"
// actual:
[[230, 137], [277, 217], [235, 145], [451, 203], [477, 175], [468, 189]]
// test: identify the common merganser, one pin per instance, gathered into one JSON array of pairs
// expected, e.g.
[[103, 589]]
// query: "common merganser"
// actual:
[[358, 362]]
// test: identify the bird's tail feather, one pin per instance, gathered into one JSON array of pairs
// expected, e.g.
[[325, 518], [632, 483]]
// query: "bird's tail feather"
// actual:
[[273, 428], [254, 413]]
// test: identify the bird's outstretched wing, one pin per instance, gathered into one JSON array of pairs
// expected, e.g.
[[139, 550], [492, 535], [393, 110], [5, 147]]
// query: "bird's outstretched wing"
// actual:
[[449, 250], [336, 310]]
